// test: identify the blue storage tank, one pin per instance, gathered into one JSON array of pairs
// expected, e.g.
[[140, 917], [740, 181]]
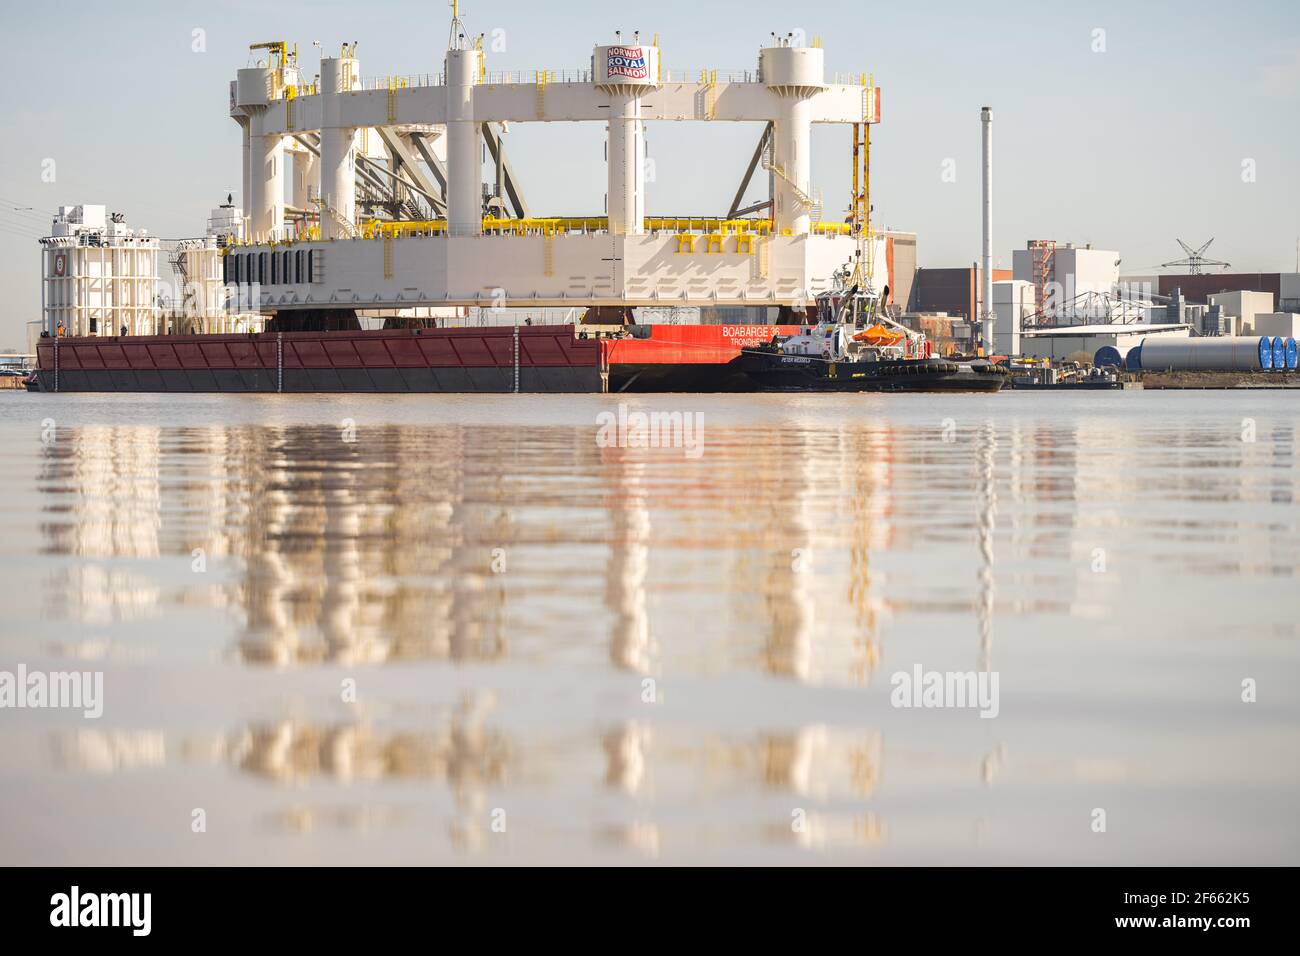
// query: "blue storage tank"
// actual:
[[1291, 357], [1133, 361], [1279, 353], [1109, 355]]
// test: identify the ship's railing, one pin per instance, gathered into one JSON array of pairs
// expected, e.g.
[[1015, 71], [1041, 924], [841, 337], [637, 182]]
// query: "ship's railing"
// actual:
[[701, 77], [564, 225], [706, 77], [714, 77], [97, 239], [400, 81], [487, 78], [850, 79], [529, 77]]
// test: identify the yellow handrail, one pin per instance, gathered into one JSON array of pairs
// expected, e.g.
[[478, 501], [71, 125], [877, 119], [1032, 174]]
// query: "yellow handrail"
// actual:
[[559, 225]]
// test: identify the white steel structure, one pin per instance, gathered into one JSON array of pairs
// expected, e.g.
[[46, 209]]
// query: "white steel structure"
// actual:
[[402, 144], [202, 302], [98, 275], [1080, 283]]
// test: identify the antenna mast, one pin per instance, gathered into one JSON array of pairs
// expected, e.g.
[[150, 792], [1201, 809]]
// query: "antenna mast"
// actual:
[[456, 41], [863, 271]]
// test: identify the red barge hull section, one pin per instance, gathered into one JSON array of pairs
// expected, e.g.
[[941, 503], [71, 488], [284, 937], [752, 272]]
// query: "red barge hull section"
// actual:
[[549, 359], [685, 358]]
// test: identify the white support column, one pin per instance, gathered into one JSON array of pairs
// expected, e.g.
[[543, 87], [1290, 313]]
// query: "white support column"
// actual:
[[337, 164], [45, 283], [338, 187], [464, 145], [796, 75], [626, 72], [792, 154], [626, 174], [305, 175], [246, 186], [263, 185], [266, 210]]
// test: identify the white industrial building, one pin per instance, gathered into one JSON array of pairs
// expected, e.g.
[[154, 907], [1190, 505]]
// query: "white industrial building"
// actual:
[[1283, 324], [101, 277], [1017, 330], [1245, 306], [201, 301], [1013, 306], [1065, 299], [1070, 283], [1288, 299], [1059, 342], [1244, 301]]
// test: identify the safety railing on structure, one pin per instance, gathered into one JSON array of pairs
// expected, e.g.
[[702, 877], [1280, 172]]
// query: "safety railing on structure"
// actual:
[[702, 77], [564, 225]]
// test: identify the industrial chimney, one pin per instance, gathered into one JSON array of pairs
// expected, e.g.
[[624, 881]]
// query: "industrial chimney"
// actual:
[[986, 261]]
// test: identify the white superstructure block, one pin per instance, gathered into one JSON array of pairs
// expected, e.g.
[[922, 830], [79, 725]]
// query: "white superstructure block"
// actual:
[[98, 275], [796, 75], [570, 270], [464, 145]]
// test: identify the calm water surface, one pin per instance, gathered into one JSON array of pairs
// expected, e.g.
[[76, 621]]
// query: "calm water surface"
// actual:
[[364, 629]]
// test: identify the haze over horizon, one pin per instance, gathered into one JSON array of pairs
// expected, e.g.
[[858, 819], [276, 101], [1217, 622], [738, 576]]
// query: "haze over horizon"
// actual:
[[1124, 126]]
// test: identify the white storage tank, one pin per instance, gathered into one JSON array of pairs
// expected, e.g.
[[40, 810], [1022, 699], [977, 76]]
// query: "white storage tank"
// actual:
[[1238, 353], [253, 86]]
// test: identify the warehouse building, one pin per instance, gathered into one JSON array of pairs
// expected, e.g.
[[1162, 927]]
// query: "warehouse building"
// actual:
[[1060, 342], [952, 292], [1284, 287]]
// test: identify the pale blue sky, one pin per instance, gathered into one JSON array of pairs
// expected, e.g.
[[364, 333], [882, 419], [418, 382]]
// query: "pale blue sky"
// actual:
[[1126, 149]]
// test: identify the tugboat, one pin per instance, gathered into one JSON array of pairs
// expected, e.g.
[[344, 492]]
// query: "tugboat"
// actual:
[[855, 347]]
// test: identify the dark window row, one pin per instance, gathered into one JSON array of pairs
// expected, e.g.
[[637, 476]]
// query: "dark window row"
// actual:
[[268, 268]]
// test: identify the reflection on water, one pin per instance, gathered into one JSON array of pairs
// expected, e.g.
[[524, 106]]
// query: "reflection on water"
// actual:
[[383, 549], [629, 554], [664, 656], [464, 756], [96, 751]]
